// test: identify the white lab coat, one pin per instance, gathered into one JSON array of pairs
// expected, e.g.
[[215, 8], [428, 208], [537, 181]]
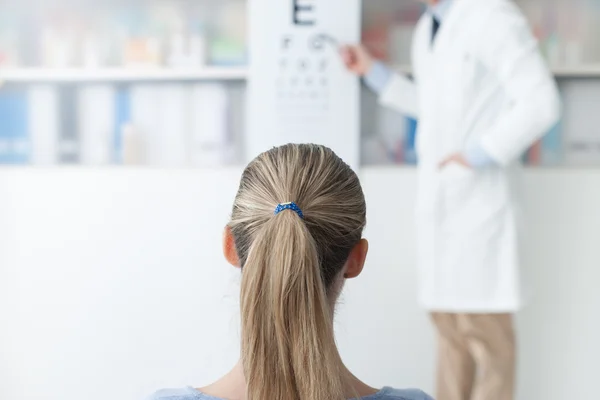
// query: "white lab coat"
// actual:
[[484, 81]]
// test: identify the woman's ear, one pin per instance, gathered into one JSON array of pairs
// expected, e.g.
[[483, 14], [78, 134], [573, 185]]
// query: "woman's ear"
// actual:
[[356, 260], [229, 250]]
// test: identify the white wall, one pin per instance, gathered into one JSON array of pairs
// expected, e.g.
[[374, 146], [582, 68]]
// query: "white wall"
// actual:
[[112, 284], [561, 327]]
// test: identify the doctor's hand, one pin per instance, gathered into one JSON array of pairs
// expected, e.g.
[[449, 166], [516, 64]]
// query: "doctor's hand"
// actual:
[[357, 59], [456, 158]]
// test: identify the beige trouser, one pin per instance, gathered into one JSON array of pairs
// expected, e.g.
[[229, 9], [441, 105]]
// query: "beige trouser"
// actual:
[[476, 356]]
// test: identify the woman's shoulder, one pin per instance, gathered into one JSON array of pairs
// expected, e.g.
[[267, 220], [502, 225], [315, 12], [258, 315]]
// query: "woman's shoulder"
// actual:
[[186, 393], [389, 393]]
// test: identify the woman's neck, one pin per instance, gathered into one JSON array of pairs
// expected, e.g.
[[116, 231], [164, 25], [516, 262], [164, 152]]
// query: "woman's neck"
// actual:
[[233, 385]]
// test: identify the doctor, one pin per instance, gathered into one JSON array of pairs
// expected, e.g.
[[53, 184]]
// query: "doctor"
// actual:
[[482, 95]]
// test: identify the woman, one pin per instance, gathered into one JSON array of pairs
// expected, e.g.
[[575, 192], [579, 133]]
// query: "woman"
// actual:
[[296, 233]]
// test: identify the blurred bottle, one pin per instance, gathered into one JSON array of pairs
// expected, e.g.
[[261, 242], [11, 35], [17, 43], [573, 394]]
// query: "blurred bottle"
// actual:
[[228, 36], [44, 123], [400, 42], [9, 40], [122, 112], [177, 52], [534, 154], [69, 139], [198, 45], [574, 25], [58, 48], [549, 35], [391, 129], [96, 119], [169, 147], [14, 131], [552, 146], [373, 151], [133, 146], [142, 45], [187, 51], [210, 139], [96, 48], [410, 146], [591, 33], [401, 33]]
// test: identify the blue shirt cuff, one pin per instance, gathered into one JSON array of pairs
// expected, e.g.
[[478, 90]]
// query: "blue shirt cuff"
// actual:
[[378, 77], [477, 157]]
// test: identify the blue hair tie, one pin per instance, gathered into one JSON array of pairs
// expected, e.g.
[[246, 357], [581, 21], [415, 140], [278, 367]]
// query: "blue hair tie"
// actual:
[[289, 206]]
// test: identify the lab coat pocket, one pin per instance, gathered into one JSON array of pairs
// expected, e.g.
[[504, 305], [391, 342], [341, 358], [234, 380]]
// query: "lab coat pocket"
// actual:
[[458, 184], [470, 198]]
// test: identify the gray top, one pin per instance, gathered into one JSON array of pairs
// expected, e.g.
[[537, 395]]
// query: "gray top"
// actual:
[[387, 393]]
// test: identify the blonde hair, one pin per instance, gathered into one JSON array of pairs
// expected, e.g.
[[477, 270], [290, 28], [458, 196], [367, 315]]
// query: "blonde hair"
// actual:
[[289, 266]]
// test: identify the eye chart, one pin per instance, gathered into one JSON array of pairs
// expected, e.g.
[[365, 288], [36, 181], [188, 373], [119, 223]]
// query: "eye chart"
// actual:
[[298, 88]]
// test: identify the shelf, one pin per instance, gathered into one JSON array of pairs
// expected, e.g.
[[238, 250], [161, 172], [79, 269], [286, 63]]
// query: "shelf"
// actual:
[[584, 71], [386, 168], [63, 75], [74, 75]]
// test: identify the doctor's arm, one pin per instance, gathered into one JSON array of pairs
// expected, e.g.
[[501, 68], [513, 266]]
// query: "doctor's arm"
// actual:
[[512, 55], [395, 90]]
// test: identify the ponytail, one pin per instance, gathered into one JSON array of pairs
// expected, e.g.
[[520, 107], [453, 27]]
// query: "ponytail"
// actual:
[[292, 255], [288, 345]]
